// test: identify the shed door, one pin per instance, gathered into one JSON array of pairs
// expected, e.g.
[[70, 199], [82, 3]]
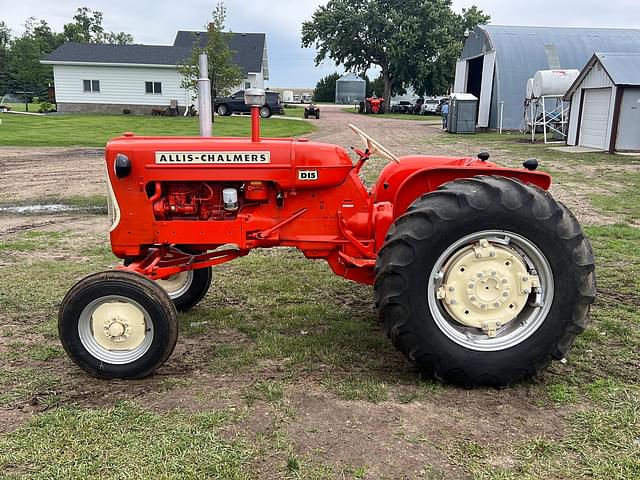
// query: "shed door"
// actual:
[[461, 76], [629, 120], [486, 89], [595, 118]]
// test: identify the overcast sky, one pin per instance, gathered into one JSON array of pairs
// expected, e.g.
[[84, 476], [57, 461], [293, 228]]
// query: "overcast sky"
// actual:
[[156, 22]]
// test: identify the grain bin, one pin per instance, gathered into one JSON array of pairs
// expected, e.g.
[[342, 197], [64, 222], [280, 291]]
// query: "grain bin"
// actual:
[[350, 89], [553, 82]]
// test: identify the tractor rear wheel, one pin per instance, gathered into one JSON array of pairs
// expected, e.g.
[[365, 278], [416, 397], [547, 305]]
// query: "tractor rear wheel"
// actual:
[[485, 281], [118, 324]]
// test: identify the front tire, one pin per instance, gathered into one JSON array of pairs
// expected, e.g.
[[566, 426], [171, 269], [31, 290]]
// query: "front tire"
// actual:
[[223, 110], [118, 324], [485, 282]]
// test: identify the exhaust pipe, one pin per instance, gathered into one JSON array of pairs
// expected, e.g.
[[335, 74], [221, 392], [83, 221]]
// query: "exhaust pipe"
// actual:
[[204, 98]]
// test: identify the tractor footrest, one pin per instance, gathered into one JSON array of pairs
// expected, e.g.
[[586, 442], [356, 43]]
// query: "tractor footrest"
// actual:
[[356, 262]]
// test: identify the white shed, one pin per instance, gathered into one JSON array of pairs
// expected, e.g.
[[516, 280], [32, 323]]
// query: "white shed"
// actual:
[[605, 103]]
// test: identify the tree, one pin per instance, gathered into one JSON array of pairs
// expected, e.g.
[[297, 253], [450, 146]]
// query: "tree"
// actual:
[[223, 72], [5, 39], [398, 36], [326, 88], [25, 70], [87, 28], [435, 76]]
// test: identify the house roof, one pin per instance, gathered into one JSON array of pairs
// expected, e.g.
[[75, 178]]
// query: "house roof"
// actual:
[[248, 51], [74, 52], [622, 68], [247, 48]]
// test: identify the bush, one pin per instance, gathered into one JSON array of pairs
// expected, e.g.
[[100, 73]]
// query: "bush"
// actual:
[[46, 107]]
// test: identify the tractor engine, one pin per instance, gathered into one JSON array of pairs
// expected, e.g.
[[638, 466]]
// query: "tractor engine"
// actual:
[[203, 200]]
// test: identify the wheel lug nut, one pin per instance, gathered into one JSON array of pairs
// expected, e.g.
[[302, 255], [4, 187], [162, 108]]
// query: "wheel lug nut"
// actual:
[[505, 294], [479, 274], [493, 274], [496, 304], [483, 306], [470, 285], [504, 281], [525, 279], [451, 289]]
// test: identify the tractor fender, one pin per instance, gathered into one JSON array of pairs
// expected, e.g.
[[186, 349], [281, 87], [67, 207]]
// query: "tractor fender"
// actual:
[[430, 179]]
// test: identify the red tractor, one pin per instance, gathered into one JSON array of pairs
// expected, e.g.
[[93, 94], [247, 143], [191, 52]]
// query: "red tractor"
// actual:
[[480, 276]]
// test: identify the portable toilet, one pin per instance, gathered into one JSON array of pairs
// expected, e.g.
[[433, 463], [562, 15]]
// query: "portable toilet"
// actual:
[[463, 113]]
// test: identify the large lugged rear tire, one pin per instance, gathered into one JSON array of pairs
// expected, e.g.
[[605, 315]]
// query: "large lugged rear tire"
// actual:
[[118, 324], [485, 281]]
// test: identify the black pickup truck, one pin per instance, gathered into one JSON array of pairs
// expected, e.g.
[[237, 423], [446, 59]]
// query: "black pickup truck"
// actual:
[[235, 104]]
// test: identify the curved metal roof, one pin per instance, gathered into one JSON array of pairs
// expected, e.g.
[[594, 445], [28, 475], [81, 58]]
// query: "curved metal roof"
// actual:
[[522, 51]]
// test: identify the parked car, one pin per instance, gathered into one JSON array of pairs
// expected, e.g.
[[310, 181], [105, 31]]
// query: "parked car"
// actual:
[[235, 104], [402, 106], [430, 106]]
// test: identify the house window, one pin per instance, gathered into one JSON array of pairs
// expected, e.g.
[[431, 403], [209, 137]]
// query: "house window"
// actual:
[[153, 87], [91, 86], [247, 85]]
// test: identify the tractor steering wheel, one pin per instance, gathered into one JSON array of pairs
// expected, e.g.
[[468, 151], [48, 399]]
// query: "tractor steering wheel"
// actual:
[[374, 147]]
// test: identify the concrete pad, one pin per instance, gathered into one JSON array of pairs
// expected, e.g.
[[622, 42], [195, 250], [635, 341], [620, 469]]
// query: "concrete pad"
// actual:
[[576, 149]]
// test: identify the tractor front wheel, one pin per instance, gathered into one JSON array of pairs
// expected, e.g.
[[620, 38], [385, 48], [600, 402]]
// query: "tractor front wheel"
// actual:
[[118, 324], [485, 281], [187, 288]]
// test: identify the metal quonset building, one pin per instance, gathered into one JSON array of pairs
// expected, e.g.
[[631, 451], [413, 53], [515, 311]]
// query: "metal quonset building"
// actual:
[[350, 88], [497, 60]]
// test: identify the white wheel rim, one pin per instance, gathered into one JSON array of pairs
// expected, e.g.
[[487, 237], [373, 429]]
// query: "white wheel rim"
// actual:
[[512, 332], [178, 284], [115, 329], [264, 112]]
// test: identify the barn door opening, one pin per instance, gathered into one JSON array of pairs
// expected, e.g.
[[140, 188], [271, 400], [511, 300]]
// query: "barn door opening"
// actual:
[[474, 77]]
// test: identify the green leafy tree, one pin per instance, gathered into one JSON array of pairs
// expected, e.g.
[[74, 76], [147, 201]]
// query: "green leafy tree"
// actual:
[[398, 36], [436, 75], [87, 28], [325, 90], [5, 40], [25, 70], [223, 72]]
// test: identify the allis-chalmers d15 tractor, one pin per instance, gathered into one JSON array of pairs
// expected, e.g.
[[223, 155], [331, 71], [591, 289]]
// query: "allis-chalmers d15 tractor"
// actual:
[[480, 276]]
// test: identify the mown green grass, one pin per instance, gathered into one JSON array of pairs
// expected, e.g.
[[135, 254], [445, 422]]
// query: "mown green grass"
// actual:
[[95, 130], [124, 441]]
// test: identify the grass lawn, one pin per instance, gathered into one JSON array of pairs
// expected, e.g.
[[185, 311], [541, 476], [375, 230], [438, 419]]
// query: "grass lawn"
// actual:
[[279, 338], [93, 130]]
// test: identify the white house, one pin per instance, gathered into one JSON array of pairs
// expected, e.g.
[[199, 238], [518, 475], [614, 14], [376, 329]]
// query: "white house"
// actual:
[[91, 77]]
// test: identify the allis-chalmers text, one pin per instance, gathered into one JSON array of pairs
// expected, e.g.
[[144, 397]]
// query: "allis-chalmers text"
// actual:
[[212, 157]]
